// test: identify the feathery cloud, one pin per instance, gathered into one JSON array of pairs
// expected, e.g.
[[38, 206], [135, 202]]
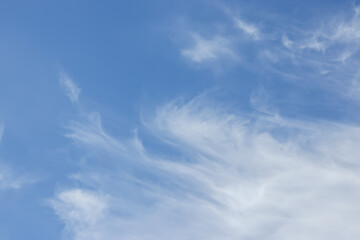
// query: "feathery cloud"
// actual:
[[234, 177], [230, 175], [72, 91], [324, 55], [204, 50]]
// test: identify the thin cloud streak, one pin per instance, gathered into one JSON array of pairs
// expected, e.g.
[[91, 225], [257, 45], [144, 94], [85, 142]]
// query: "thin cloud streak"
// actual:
[[247, 28], [72, 91]]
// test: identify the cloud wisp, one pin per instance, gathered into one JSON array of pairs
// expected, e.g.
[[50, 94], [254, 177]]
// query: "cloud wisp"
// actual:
[[8, 178], [204, 50], [248, 29], [72, 91], [323, 55], [233, 176]]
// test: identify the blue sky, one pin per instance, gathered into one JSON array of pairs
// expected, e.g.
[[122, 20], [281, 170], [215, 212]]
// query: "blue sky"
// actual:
[[179, 120]]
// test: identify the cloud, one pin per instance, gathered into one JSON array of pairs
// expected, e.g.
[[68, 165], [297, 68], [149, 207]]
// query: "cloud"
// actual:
[[221, 173], [203, 50], [72, 91], [260, 101], [347, 31], [287, 42], [248, 29], [10, 180], [234, 176], [89, 131], [7, 180], [80, 210], [314, 44], [87, 207], [322, 55], [338, 33]]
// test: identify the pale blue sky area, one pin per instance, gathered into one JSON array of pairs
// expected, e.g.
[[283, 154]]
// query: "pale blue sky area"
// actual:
[[181, 120]]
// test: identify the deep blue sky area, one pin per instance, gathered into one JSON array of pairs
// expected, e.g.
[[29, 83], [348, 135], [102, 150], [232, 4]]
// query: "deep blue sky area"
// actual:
[[179, 119]]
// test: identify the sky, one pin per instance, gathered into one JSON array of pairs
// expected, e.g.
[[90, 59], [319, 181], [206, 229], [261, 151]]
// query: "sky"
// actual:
[[182, 120]]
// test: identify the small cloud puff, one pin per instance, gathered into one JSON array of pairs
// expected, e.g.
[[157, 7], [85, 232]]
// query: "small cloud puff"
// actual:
[[79, 206]]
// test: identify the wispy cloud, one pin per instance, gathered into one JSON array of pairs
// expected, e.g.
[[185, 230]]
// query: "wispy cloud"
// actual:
[[230, 174], [314, 44], [287, 42], [323, 55], [234, 176], [9, 179], [248, 28], [259, 177], [88, 130], [72, 91], [260, 101], [203, 50]]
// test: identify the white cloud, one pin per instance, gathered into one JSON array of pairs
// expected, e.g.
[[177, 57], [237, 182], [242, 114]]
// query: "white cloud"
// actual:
[[7, 181], [265, 184], [247, 28], [89, 131], [287, 42], [81, 210], [260, 101], [79, 206], [325, 54], [208, 49], [72, 91], [347, 31], [357, 10], [10, 180], [340, 33], [314, 44], [235, 177]]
